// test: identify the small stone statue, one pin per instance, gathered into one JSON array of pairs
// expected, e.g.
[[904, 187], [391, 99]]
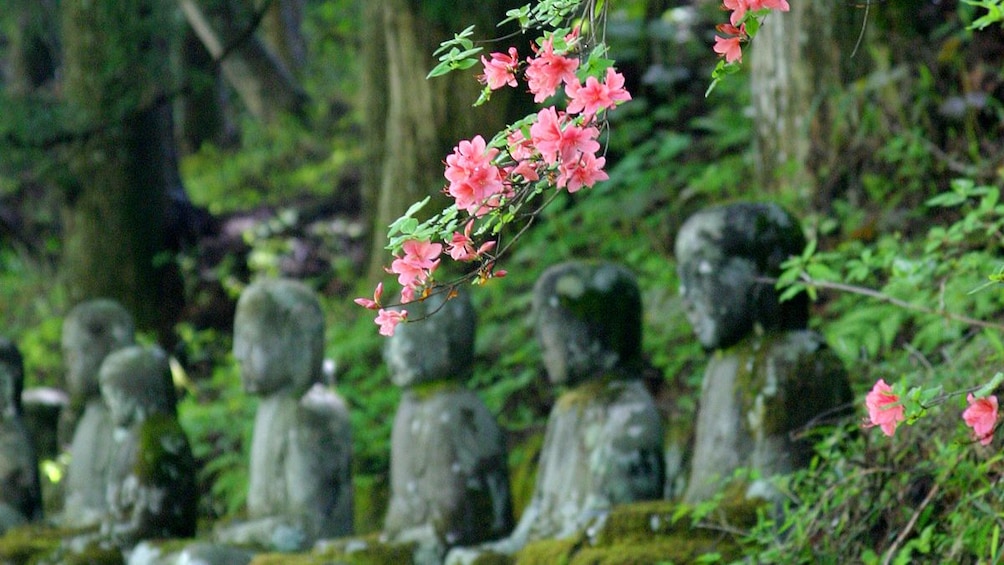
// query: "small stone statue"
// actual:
[[448, 471], [769, 376], [20, 495], [300, 484], [151, 489], [91, 331], [604, 439]]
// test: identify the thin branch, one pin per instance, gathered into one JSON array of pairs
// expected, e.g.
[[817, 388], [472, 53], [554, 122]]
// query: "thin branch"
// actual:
[[909, 525], [882, 297]]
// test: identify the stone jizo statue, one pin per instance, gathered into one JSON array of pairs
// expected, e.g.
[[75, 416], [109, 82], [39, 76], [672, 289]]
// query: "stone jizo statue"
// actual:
[[20, 495], [448, 471], [604, 439], [151, 490], [768, 376], [300, 484], [91, 331]]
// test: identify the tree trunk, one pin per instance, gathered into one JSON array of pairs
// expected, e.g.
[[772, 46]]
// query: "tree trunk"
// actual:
[[259, 77], [795, 62], [115, 217], [412, 123], [283, 32], [34, 45]]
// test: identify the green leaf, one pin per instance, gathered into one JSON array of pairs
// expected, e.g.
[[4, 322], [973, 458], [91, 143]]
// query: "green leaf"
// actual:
[[990, 387]]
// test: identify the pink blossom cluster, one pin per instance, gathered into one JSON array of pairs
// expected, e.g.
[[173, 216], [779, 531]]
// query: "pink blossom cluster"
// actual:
[[562, 148], [886, 410], [735, 32]]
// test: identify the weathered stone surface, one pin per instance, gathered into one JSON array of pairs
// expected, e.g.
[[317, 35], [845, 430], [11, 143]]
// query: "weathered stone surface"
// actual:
[[300, 486], [151, 482], [604, 439], [449, 475], [448, 469], [588, 320], [719, 252], [20, 495], [768, 376], [91, 331], [440, 346]]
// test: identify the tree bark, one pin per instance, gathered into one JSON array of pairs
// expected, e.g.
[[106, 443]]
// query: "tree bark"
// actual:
[[283, 32], [34, 49], [115, 217], [259, 77], [412, 123], [795, 62]]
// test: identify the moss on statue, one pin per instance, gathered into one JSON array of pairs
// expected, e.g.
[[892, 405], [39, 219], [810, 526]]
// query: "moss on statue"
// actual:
[[679, 549], [777, 363], [29, 543], [427, 389], [605, 389], [587, 302], [492, 558], [358, 550], [549, 552], [162, 445]]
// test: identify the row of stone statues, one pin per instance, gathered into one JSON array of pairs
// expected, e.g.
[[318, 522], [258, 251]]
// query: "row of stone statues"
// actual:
[[132, 471]]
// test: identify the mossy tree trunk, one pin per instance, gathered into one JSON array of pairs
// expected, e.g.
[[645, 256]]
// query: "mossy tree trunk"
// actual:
[[115, 217], [34, 44], [796, 60], [412, 123]]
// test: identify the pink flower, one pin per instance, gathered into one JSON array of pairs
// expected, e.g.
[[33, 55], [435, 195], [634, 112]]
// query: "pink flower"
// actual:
[[371, 304], [884, 409], [779, 5], [981, 416], [729, 47], [545, 134], [500, 70], [389, 319], [583, 173], [576, 141], [461, 247], [475, 182], [422, 253], [595, 96], [420, 259], [548, 70], [739, 9]]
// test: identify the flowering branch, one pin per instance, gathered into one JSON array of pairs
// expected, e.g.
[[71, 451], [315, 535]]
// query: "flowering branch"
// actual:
[[744, 23], [492, 181]]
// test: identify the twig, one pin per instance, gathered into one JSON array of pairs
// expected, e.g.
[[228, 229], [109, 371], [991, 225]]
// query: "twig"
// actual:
[[910, 524], [881, 296]]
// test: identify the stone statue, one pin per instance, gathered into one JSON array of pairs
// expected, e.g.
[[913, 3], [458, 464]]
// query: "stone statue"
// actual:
[[448, 471], [20, 495], [91, 331], [604, 439], [300, 484], [151, 488], [769, 376]]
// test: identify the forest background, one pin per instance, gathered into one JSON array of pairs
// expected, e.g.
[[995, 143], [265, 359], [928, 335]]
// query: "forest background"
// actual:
[[166, 153]]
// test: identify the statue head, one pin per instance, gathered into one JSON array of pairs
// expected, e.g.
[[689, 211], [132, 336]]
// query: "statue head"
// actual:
[[721, 252], [588, 320], [279, 337], [438, 347], [11, 379], [135, 383], [92, 330]]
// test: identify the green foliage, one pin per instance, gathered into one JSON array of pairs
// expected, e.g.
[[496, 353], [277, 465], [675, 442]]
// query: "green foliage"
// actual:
[[33, 303], [218, 418]]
